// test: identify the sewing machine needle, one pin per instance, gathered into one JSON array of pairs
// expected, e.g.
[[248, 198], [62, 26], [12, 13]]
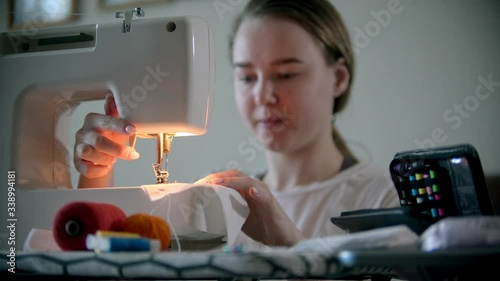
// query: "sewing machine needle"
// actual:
[[163, 146]]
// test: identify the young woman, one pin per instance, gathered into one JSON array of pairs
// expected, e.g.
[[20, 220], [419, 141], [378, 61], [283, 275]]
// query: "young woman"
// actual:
[[293, 70]]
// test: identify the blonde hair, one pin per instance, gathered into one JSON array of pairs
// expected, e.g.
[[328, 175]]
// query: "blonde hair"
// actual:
[[324, 23]]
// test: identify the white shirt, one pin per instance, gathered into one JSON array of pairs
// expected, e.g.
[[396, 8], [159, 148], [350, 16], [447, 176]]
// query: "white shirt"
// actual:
[[361, 186]]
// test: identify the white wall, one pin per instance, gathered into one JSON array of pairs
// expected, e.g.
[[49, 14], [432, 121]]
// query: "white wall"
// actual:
[[423, 64], [411, 70]]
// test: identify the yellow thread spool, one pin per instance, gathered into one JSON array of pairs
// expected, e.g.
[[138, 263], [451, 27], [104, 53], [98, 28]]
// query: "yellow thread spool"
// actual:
[[149, 226]]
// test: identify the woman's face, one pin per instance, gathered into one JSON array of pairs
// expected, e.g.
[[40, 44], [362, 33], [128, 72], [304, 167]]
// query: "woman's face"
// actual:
[[283, 87]]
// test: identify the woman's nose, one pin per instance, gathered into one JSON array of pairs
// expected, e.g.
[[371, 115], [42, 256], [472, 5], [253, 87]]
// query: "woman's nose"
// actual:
[[264, 93]]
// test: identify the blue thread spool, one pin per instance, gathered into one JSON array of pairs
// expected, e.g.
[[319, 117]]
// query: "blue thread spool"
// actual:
[[121, 244]]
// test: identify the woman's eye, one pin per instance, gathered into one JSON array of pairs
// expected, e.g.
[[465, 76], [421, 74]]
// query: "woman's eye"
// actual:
[[247, 79], [286, 75]]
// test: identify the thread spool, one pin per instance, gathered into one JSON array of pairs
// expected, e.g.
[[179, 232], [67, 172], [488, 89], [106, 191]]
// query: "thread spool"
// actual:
[[74, 221], [121, 244], [149, 226]]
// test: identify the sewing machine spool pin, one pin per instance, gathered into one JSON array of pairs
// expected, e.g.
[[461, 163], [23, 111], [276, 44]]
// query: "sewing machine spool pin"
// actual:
[[163, 147], [128, 17]]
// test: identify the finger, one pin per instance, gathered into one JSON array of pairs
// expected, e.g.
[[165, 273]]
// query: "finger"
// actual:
[[91, 170], [102, 123], [222, 174], [237, 183], [245, 185], [88, 153], [107, 146], [110, 106]]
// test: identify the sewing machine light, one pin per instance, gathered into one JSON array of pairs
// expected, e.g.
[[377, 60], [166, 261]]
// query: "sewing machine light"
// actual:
[[183, 134]]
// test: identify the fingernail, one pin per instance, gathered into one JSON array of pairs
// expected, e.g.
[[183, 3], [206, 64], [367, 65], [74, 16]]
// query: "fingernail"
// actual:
[[133, 155], [130, 129], [217, 180], [108, 96], [254, 192]]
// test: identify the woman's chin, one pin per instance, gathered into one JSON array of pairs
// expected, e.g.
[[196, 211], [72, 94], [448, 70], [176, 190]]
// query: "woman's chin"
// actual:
[[272, 142]]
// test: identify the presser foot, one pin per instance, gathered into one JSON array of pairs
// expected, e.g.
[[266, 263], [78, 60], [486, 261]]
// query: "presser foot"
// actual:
[[161, 174]]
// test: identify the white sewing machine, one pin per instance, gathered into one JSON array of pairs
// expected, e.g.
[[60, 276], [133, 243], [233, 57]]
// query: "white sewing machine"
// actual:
[[160, 71]]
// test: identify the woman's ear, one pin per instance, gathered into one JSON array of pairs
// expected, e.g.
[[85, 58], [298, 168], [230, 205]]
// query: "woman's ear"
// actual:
[[342, 77]]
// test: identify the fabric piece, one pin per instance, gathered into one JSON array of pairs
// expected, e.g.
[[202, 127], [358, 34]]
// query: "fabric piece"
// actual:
[[199, 211]]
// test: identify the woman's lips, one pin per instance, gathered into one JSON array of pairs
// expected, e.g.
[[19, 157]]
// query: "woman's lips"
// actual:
[[271, 123]]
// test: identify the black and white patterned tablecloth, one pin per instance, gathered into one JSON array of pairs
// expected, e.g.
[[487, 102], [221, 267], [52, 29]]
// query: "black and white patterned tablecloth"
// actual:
[[189, 265]]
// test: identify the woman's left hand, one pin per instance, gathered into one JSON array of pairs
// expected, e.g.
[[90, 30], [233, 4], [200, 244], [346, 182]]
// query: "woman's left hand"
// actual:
[[267, 222]]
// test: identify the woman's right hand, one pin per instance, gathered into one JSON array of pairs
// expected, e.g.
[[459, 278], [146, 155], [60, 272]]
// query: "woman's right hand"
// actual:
[[267, 222], [102, 140]]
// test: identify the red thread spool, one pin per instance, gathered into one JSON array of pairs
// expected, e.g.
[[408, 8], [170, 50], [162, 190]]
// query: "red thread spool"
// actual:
[[75, 220], [149, 226]]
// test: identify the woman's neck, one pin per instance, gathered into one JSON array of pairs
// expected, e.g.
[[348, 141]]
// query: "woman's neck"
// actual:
[[316, 162]]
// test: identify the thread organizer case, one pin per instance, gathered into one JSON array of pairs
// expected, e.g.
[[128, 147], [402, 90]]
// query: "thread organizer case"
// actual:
[[432, 184], [441, 182]]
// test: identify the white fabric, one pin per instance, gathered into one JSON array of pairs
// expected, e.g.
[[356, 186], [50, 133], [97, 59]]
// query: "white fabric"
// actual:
[[361, 186], [382, 237]]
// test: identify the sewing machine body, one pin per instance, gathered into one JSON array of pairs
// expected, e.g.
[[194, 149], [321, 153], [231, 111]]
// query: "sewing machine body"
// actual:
[[162, 81], [161, 73]]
